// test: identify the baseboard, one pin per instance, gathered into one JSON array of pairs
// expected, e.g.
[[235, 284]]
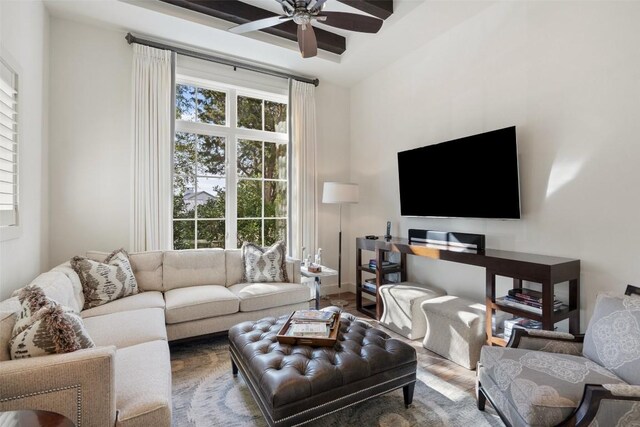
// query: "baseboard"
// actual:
[[333, 289]]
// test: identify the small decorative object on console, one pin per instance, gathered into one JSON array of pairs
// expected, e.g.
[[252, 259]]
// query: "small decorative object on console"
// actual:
[[314, 268]]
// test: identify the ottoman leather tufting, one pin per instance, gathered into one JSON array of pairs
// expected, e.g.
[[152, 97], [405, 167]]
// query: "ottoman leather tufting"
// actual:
[[296, 384]]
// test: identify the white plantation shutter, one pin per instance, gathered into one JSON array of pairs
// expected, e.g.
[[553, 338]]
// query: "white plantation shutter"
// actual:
[[8, 146]]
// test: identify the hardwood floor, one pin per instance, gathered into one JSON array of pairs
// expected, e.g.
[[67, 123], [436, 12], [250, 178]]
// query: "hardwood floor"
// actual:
[[445, 369]]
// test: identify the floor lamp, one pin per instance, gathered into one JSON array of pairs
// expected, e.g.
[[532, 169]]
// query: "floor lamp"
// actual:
[[339, 193]]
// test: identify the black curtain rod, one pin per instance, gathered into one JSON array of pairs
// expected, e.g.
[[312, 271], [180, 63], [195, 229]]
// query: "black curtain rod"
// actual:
[[235, 64]]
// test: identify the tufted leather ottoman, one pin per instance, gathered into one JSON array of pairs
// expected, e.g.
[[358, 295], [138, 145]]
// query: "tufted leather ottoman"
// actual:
[[296, 384]]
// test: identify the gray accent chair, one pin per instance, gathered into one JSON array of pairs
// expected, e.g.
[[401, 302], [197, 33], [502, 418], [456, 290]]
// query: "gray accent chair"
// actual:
[[546, 378]]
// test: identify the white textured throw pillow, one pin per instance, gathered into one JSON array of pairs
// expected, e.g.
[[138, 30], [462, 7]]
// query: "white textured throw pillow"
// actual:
[[53, 329], [264, 264], [107, 281], [32, 299]]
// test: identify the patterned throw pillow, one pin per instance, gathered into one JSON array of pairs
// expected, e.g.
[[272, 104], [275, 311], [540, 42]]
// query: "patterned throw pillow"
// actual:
[[103, 282], [54, 329], [32, 299], [264, 264], [612, 339]]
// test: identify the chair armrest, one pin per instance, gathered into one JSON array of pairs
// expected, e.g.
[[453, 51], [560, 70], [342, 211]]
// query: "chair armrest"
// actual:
[[611, 402], [78, 385], [293, 270], [624, 390], [549, 341]]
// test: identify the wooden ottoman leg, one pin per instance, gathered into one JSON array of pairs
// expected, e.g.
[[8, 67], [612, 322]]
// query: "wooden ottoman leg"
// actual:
[[408, 394], [234, 368]]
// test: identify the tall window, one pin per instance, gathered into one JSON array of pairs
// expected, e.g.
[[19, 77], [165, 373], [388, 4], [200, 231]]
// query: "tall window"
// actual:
[[230, 166], [8, 148]]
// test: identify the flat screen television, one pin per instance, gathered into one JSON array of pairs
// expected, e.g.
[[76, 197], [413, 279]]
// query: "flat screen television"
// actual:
[[471, 177]]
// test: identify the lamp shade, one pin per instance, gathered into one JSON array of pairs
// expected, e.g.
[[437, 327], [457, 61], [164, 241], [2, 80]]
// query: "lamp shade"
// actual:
[[339, 192]]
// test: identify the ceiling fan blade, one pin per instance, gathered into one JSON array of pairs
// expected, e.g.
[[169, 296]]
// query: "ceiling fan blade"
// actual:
[[352, 21], [259, 24], [307, 41]]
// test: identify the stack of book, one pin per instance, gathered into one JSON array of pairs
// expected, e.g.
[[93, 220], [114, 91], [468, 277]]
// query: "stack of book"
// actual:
[[519, 322], [528, 300], [370, 285], [311, 323], [385, 264]]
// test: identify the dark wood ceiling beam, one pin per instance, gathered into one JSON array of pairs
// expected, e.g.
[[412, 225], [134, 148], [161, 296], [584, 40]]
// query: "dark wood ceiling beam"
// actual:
[[379, 8], [239, 13]]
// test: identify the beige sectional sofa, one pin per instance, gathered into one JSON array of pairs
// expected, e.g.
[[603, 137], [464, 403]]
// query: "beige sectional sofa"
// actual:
[[126, 379]]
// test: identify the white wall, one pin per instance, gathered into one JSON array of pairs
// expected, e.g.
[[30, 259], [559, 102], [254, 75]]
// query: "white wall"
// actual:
[[567, 74], [333, 162], [24, 29], [90, 156], [91, 135]]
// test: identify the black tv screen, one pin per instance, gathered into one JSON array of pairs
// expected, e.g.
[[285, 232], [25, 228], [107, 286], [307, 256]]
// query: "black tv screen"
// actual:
[[471, 177]]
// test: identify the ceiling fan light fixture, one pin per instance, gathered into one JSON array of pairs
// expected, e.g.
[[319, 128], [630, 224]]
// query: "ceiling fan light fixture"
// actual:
[[302, 17], [303, 14]]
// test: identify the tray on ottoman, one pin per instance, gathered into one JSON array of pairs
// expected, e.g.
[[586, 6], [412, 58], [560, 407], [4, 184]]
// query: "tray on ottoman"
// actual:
[[283, 336], [295, 384]]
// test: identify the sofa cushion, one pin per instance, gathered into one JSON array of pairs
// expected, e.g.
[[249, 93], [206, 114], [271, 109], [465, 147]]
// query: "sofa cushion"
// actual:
[[103, 282], [613, 336], [146, 266], [258, 296], [199, 302], [264, 264], [74, 280], [57, 286], [535, 387], [127, 328], [235, 268], [54, 329], [150, 299], [185, 268], [143, 382]]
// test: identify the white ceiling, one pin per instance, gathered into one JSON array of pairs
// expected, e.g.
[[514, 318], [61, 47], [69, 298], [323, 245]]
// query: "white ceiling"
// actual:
[[413, 23]]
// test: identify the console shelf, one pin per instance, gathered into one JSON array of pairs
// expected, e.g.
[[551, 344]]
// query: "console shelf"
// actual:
[[546, 270], [364, 305]]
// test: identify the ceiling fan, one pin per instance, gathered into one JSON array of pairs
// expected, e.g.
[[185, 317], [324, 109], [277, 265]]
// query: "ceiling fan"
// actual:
[[304, 13]]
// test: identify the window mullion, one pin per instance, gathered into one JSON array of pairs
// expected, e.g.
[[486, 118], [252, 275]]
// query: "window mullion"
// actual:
[[263, 189], [201, 128], [195, 189]]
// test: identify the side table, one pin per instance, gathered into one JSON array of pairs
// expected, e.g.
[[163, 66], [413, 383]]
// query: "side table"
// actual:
[[324, 272]]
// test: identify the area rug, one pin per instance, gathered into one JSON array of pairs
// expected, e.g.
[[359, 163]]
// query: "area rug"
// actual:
[[206, 394]]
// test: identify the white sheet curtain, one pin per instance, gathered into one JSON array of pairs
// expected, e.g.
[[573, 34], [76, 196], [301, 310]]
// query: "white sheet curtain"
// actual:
[[303, 194], [153, 77]]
